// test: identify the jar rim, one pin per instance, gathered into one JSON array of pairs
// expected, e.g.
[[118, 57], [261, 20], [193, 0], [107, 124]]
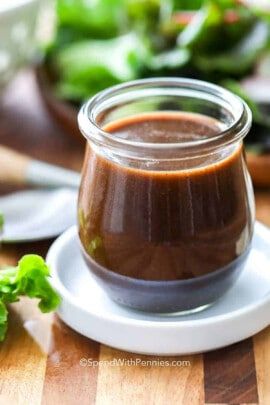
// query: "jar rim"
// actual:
[[235, 131]]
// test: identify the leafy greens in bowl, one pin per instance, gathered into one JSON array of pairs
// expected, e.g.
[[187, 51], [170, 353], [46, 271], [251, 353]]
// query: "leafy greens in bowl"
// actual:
[[106, 42]]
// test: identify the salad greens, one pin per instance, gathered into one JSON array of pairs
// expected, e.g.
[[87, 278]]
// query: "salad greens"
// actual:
[[93, 19], [88, 66], [104, 42], [29, 278]]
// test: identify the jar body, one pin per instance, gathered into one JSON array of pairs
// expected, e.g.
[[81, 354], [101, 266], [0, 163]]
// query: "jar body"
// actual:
[[161, 237]]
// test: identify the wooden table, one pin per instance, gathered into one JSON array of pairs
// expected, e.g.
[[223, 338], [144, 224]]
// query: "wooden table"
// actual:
[[40, 359]]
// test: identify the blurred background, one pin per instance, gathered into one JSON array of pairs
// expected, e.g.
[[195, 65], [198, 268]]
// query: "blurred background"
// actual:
[[56, 54], [100, 43]]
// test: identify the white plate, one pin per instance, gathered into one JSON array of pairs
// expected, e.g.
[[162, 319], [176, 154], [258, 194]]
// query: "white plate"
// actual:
[[85, 307], [37, 214]]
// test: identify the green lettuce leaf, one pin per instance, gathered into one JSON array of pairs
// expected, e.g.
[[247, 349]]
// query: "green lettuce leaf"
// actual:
[[242, 57], [29, 278], [98, 19], [87, 67]]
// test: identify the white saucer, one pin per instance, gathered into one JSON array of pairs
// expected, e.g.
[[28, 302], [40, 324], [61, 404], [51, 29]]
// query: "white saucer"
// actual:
[[242, 312]]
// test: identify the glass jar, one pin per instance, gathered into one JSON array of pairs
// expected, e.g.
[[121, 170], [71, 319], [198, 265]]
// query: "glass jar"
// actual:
[[166, 206]]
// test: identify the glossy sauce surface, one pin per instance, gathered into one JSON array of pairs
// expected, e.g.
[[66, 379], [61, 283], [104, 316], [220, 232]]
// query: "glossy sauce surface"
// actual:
[[171, 224]]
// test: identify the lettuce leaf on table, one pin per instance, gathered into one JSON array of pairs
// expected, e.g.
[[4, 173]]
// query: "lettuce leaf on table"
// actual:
[[29, 278]]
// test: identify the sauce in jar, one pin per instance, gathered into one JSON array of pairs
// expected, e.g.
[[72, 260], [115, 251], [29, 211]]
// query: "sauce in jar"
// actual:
[[166, 234]]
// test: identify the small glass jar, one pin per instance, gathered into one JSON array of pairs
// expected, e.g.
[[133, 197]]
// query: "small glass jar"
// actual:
[[166, 206]]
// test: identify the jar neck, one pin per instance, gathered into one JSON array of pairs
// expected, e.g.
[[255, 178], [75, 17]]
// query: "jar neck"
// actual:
[[153, 95]]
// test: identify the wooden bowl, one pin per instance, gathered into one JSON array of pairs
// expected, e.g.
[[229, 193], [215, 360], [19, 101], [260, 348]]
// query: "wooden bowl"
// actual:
[[66, 116], [64, 113], [259, 168]]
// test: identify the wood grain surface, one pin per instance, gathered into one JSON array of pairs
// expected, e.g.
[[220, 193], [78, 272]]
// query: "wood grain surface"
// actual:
[[41, 359]]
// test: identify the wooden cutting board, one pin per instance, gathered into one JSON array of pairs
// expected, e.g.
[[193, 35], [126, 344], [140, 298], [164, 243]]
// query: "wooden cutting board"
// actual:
[[34, 373], [42, 361]]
